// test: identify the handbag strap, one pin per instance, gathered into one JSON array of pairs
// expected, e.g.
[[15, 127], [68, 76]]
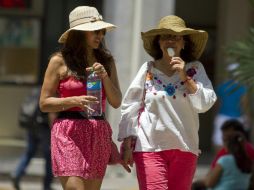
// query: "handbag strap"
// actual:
[[142, 107]]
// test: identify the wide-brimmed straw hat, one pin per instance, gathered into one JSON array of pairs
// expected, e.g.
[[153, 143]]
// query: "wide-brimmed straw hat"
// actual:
[[85, 18], [174, 25]]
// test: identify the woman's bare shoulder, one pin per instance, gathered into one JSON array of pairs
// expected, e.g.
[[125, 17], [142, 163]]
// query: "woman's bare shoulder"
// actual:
[[57, 65], [57, 59]]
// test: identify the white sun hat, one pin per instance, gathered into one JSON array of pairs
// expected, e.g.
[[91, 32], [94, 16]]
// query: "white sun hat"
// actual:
[[85, 18]]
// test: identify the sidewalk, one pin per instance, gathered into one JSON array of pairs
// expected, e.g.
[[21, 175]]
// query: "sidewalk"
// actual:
[[10, 151], [116, 178]]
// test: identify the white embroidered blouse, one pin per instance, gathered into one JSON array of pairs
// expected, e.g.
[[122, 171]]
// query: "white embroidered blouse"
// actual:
[[170, 116]]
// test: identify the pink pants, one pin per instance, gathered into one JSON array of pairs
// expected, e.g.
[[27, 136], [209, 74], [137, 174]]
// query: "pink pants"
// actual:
[[165, 170]]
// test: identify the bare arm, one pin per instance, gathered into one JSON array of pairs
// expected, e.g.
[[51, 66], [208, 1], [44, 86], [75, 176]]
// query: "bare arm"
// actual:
[[49, 101], [111, 84], [213, 176], [127, 154], [178, 64], [112, 88]]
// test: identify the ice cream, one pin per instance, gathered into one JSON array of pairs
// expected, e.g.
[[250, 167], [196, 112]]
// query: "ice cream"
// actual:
[[171, 52]]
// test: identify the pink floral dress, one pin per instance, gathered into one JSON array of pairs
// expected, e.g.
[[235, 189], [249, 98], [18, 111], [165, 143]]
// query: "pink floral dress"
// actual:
[[80, 147]]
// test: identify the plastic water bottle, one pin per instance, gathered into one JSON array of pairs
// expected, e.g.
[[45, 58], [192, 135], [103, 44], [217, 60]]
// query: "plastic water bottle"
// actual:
[[94, 88]]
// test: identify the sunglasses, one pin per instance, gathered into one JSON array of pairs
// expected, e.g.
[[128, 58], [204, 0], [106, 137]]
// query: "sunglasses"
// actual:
[[103, 31], [171, 37]]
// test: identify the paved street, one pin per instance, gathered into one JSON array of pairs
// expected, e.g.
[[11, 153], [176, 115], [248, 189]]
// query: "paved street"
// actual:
[[116, 178]]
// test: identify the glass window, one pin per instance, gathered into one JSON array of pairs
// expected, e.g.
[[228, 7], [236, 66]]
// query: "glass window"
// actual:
[[19, 49]]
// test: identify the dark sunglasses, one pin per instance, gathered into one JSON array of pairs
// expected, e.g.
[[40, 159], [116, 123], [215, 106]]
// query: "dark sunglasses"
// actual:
[[103, 31], [171, 37]]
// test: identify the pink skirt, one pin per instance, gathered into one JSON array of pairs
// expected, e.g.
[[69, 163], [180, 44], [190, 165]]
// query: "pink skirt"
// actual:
[[80, 147]]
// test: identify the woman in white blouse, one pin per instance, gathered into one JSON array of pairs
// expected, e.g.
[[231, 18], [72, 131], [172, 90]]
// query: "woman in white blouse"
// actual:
[[160, 108]]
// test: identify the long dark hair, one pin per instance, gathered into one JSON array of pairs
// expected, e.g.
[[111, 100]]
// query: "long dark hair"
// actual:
[[75, 56], [236, 147], [235, 125], [186, 53]]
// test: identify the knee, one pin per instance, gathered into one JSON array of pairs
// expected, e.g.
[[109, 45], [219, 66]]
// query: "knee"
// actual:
[[72, 183]]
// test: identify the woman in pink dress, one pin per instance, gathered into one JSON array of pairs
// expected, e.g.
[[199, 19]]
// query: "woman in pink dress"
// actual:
[[80, 145]]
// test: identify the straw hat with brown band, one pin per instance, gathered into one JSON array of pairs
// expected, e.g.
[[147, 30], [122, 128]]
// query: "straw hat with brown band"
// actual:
[[174, 25], [85, 18]]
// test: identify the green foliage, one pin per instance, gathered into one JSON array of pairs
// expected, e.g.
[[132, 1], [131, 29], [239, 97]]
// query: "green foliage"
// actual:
[[242, 52]]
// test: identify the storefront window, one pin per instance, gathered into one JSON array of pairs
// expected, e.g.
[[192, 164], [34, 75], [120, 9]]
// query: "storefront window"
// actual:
[[19, 45], [19, 49]]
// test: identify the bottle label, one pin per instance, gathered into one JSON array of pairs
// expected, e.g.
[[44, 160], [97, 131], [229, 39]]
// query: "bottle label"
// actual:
[[95, 85]]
